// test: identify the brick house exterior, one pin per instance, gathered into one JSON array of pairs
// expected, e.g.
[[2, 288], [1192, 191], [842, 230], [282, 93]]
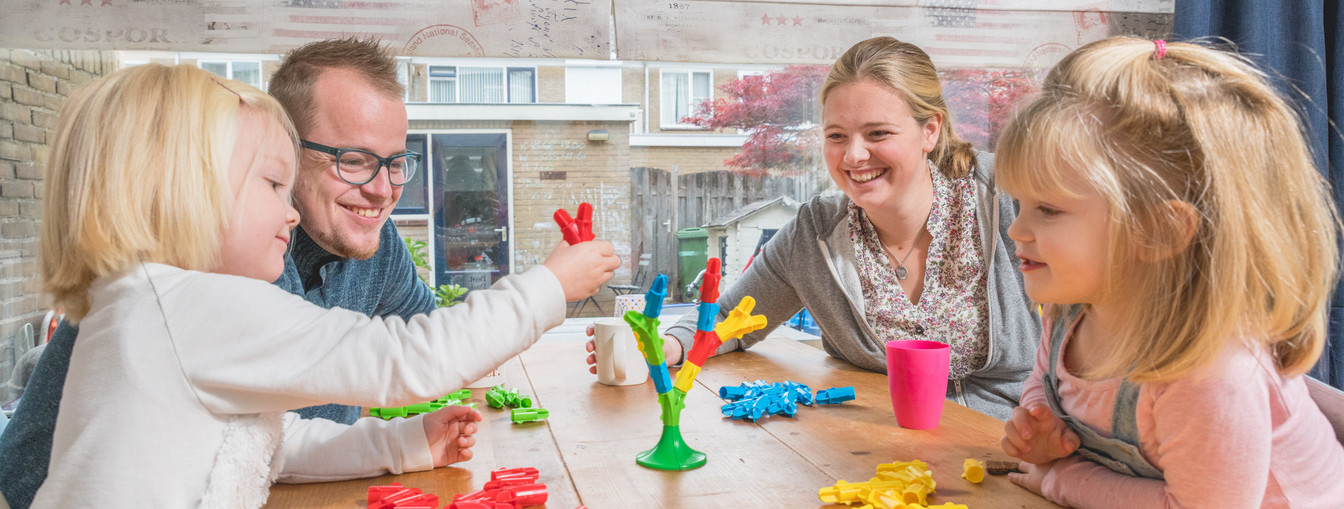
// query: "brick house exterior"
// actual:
[[34, 84], [552, 163]]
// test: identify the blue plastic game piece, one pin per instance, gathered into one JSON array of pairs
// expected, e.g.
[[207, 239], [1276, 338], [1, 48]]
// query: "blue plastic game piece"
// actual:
[[835, 395]]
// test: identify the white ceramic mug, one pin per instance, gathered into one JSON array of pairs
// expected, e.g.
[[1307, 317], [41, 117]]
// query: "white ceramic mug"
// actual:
[[619, 361]]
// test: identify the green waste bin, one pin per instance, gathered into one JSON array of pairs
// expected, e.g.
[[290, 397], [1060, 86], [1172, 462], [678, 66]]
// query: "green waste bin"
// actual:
[[692, 253]]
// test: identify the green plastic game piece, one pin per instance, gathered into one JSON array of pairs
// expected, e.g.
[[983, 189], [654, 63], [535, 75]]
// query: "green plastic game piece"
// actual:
[[495, 399], [646, 331], [671, 453], [422, 408], [521, 415], [498, 397], [672, 402]]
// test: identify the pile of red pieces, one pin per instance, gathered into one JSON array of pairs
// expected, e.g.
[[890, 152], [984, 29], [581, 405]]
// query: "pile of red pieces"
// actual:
[[509, 488], [397, 496]]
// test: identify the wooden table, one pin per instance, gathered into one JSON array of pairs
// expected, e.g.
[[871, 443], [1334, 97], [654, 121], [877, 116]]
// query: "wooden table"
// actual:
[[586, 449]]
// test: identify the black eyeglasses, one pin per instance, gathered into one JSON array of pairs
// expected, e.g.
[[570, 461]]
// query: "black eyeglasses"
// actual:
[[358, 167]]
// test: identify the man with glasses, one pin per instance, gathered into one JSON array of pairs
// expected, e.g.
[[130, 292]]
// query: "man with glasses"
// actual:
[[347, 106], [346, 103]]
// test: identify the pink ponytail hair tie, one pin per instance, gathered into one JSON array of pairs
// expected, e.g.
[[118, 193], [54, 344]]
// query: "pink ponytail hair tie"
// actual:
[[1161, 49]]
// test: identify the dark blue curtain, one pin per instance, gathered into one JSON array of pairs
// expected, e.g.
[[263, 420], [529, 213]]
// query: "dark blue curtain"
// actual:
[[1297, 42]]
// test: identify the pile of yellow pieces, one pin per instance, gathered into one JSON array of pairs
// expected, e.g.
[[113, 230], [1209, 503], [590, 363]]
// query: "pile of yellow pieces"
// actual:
[[899, 485]]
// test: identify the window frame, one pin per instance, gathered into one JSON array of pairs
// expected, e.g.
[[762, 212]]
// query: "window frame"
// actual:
[[229, 72], [456, 78], [404, 73], [691, 103]]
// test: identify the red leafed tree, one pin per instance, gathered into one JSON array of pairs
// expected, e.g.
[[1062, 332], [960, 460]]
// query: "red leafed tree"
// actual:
[[778, 111], [982, 100]]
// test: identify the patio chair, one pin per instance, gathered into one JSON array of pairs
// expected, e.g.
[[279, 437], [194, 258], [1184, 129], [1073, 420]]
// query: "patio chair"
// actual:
[[578, 308], [637, 281], [636, 285]]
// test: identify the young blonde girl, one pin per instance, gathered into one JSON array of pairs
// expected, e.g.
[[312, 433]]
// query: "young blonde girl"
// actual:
[[166, 217], [1173, 221]]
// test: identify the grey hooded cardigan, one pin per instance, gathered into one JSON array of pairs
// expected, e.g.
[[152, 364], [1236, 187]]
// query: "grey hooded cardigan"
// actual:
[[810, 263]]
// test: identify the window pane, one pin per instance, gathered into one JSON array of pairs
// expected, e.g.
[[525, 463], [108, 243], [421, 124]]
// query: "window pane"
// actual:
[[442, 91], [414, 194], [442, 71], [248, 72], [220, 69], [482, 84], [701, 85], [675, 94], [701, 90], [404, 76], [521, 86], [470, 203]]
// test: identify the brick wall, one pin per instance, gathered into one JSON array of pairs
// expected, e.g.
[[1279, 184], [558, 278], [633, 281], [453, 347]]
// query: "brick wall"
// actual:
[[551, 84], [632, 92], [33, 86]]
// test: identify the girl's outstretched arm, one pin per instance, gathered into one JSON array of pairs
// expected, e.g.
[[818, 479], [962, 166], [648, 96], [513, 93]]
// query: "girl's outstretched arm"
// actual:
[[319, 450]]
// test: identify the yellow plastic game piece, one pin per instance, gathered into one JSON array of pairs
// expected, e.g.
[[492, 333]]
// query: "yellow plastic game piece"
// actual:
[[897, 485], [916, 494], [841, 493], [886, 499], [902, 465], [740, 321], [973, 470], [686, 377]]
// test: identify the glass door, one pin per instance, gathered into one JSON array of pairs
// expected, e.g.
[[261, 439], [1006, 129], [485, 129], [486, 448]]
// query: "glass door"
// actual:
[[471, 203]]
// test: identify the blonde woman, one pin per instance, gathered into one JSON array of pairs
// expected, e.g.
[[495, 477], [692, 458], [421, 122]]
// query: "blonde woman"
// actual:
[[913, 245], [167, 214], [1174, 222]]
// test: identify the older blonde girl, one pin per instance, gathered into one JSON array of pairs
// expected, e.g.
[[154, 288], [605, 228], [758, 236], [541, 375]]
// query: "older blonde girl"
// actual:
[[1186, 245]]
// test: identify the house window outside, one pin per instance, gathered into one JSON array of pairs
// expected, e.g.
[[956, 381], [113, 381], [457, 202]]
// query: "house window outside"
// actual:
[[483, 85], [522, 85], [246, 72], [415, 194], [442, 84], [404, 77], [682, 93]]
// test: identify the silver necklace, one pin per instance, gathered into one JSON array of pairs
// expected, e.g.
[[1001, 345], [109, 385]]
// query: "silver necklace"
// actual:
[[901, 273]]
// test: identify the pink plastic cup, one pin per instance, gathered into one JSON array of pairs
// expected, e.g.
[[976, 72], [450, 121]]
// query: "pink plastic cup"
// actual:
[[917, 377]]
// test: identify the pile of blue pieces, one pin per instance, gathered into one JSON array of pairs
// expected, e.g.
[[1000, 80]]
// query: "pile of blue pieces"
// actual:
[[753, 400]]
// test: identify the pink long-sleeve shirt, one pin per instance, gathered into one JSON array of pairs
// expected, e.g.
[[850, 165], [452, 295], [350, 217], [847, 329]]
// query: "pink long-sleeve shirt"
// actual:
[[1238, 435]]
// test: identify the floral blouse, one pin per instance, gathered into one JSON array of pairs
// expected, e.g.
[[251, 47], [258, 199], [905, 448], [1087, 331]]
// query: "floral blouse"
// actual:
[[954, 306]]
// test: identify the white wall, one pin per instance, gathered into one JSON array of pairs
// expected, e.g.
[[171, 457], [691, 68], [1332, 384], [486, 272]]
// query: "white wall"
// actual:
[[592, 85]]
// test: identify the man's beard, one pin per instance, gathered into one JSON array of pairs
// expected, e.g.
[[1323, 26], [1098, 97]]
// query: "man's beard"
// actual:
[[340, 246]]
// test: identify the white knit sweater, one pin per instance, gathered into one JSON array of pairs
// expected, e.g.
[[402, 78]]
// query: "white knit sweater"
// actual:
[[180, 380]]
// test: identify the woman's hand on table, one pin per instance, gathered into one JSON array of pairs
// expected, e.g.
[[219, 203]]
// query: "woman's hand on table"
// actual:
[[450, 431], [671, 350], [1035, 435]]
